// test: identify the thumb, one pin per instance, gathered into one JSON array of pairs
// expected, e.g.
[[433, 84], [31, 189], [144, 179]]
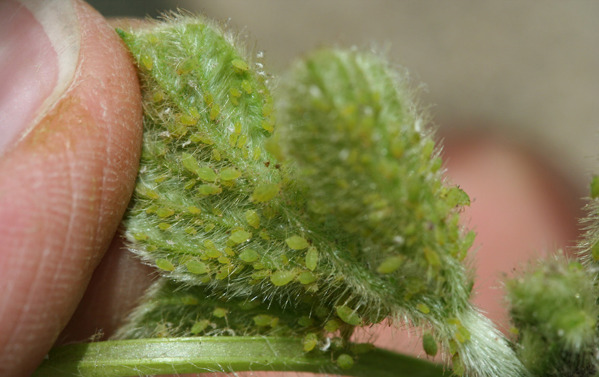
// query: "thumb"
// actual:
[[70, 133]]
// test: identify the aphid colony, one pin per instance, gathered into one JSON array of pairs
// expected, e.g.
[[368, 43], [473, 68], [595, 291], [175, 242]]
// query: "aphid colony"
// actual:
[[338, 218]]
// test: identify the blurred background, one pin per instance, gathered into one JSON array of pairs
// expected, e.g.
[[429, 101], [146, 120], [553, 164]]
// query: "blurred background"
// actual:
[[525, 69], [519, 80]]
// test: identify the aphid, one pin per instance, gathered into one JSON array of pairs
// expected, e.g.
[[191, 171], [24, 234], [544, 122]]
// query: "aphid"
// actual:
[[348, 315], [311, 258], [239, 65], [296, 242], [239, 236], [147, 62], [282, 277], [246, 86], [164, 226], [265, 192], [209, 189], [390, 265], [306, 277], [595, 187], [165, 212], [332, 325], [252, 218], [310, 341], [345, 361], [262, 320], [219, 312], [165, 264], [423, 308], [429, 344], [197, 267], [249, 255], [199, 326]]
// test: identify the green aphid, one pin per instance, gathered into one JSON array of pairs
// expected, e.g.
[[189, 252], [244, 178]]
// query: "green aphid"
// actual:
[[161, 179], [595, 187], [246, 86], [345, 361], [263, 320], [165, 212], [348, 315], [310, 341], [234, 93], [165, 264], [209, 189], [457, 197], [212, 253], [147, 192], [214, 112], [595, 252], [265, 192], [229, 174], [141, 236], [186, 66], [189, 162], [189, 300], [146, 62], [233, 139], [206, 174], [188, 120], [249, 255], [462, 334], [261, 274], [164, 226], [199, 326], [282, 277], [239, 236], [197, 267], [201, 138], [305, 321], [220, 312], [432, 257], [239, 65], [311, 258], [296, 242], [390, 264], [332, 325], [423, 308], [268, 125], [306, 277], [241, 141], [252, 218], [194, 210], [429, 344]]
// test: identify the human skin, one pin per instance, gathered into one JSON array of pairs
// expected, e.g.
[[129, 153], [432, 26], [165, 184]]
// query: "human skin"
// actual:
[[69, 159]]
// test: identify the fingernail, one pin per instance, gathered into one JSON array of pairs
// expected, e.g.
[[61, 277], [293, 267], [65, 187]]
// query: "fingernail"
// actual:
[[39, 49]]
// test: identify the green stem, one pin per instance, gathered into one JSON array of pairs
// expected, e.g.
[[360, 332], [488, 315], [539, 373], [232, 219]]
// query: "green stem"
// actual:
[[137, 357]]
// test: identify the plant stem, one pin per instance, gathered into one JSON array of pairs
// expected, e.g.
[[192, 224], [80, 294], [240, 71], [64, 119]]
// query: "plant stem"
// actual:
[[137, 357]]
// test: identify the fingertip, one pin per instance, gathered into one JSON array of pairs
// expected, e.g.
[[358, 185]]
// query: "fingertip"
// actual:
[[64, 187]]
